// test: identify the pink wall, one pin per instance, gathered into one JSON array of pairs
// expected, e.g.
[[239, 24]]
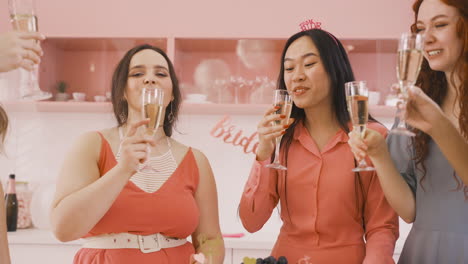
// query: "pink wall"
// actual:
[[217, 18], [363, 19]]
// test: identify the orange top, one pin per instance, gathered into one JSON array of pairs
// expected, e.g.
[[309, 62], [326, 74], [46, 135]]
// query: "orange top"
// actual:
[[320, 215], [171, 211]]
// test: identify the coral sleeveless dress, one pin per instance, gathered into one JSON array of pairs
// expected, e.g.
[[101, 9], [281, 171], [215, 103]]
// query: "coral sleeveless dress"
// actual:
[[171, 211]]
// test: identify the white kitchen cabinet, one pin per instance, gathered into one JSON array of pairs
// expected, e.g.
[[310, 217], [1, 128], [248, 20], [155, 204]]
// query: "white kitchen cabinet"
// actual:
[[37, 253]]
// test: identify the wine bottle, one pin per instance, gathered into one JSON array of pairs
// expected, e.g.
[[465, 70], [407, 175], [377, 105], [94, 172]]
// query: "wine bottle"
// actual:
[[11, 204]]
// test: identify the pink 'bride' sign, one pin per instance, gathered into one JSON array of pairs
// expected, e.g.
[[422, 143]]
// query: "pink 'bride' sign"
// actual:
[[230, 134]]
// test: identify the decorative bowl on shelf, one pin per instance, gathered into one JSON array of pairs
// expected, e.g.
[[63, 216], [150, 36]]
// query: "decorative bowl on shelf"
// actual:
[[79, 97], [195, 98], [100, 98], [62, 97]]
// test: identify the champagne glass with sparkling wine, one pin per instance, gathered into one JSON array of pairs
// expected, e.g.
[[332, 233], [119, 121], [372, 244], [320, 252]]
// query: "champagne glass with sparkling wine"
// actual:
[[23, 18], [152, 108], [283, 100], [357, 96], [410, 57]]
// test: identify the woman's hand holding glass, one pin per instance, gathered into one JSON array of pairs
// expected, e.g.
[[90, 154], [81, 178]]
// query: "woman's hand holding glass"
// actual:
[[17, 50], [421, 111], [371, 144], [410, 57], [152, 108], [357, 96], [133, 148], [282, 102], [267, 133], [23, 18]]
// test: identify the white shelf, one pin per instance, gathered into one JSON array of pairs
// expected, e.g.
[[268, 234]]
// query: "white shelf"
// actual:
[[60, 107], [36, 237]]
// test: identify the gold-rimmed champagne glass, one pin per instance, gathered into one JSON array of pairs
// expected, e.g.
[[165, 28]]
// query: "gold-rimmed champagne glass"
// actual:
[[23, 18]]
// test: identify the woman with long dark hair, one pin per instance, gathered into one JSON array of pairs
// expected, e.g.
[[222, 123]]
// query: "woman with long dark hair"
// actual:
[[127, 215], [330, 214], [425, 178]]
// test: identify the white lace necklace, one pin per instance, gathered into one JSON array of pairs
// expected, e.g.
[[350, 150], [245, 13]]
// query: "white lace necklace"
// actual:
[[165, 164]]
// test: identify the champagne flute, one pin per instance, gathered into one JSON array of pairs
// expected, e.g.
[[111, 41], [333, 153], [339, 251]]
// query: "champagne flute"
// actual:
[[357, 96], [410, 57], [152, 108], [283, 100], [23, 18]]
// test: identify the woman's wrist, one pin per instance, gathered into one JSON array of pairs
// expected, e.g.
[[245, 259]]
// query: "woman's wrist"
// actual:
[[262, 155], [439, 125], [380, 154], [125, 171]]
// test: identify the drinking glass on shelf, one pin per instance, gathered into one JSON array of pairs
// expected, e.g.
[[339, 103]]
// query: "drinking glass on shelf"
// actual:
[[232, 87], [357, 96], [410, 57], [245, 91], [283, 100], [152, 108], [23, 18]]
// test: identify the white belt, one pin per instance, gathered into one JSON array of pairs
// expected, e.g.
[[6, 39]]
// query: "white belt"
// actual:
[[147, 244]]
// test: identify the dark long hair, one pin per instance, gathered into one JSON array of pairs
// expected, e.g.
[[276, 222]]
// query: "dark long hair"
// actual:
[[338, 68], [435, 85], [119, 84]]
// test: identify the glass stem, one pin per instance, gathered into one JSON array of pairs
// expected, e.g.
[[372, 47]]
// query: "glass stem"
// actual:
[[277, 149], [148, 152], [362, 163], [402, 123], [362, 133]]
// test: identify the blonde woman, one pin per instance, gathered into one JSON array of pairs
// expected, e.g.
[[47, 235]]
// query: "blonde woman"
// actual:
[[16, 50]]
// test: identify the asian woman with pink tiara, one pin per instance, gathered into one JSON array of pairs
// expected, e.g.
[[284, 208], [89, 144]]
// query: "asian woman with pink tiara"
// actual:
[[330, 214], [425, 178]]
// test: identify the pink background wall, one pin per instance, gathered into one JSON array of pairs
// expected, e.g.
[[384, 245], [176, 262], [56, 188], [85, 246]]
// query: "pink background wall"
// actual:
[[215, 18], [363, 19]]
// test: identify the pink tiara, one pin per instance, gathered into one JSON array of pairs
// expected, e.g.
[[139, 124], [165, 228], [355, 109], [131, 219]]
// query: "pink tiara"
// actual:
[[311, 24]]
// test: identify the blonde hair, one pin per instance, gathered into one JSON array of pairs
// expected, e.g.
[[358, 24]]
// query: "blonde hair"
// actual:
[[3, 126]]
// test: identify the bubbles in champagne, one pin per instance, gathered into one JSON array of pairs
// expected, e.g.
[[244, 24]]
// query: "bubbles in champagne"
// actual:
[[409, 64], [24, 22], [285, 108], [154, 112], [358, 110]]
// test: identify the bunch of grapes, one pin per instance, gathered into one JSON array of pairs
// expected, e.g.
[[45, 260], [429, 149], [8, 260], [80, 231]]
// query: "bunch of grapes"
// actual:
[[271, 260]]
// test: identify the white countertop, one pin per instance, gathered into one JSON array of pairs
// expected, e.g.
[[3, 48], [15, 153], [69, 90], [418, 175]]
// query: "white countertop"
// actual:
[[36, 237]]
